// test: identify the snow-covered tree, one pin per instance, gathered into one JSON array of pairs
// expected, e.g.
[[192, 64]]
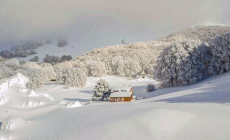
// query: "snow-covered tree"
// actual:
[[101, 89], [12, 61], [151, 88], [60, 66], [37, 77], [220, 47], [95, 68], [62, 42], [32, 65], [183, 63], [5, 72], [73, 77], [2, 59], [131, 67]]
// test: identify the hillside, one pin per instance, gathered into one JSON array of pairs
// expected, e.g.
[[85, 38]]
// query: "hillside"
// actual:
[[204, 33], [199, 111], [145, 54]]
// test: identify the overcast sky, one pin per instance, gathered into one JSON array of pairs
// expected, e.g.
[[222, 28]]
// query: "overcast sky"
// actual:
[[96, 23]]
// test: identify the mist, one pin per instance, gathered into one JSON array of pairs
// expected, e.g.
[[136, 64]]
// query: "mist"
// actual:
[[94, 24]]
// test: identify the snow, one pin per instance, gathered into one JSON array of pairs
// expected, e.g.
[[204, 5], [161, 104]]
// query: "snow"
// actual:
[[199, 111], [121, 88], [121, 94], [208, 24]]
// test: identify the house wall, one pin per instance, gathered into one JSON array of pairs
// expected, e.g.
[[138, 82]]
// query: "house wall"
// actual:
[[120, 99]]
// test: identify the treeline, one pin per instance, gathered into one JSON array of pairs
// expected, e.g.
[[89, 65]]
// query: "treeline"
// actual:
[[189, 61]]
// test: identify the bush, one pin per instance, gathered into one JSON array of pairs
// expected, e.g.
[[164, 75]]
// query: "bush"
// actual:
[[62, 42], [72, 77], [183, 63], [151, 88], [101, 89]]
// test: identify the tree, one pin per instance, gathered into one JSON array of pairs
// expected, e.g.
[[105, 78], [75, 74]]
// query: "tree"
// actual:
[[52, 59], [95, 68], [220, 48], [66, 58], [183, 63], [2, 59], [32, 65], [123, 42], [37, 77], [62, 42], [5, 72], [7, 54], [72, 77], [101, 90], [35, 59]]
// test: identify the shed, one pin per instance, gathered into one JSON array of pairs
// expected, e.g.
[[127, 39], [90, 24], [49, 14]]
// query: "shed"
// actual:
[[143, 75], [121, 97]]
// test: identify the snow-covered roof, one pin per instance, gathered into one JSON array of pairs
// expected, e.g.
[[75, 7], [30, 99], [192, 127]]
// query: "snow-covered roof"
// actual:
[[127, 88], [121, 94]]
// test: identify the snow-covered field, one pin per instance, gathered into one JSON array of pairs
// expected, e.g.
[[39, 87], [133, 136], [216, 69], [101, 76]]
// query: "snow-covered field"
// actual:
[[199, 111]]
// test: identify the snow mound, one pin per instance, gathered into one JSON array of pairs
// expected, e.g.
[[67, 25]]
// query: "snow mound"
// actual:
[[72, 104], [3, 137], [208, 24], [18, 80], [47, 95], [12, 123], [32, 93], [32, 104], [3, 101]]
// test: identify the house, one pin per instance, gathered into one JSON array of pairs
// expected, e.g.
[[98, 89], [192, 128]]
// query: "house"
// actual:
[[121, 94], [121, 97]]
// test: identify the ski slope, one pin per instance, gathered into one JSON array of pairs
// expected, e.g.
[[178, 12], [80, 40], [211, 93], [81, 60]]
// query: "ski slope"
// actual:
[[199, 111]]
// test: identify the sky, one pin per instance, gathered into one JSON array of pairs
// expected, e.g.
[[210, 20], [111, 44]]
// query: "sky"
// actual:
[[97, 23]]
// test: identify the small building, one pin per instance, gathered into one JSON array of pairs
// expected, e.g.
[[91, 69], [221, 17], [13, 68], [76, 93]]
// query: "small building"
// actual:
[[121, 97], [121, 94], [143, 75]]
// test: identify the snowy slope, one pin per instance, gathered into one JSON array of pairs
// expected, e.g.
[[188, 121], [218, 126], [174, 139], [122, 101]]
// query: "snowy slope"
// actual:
[[208, 24], [53, 49], [199, 111]]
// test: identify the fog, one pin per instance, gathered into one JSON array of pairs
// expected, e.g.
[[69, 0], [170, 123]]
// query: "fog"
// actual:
[[98, 23]]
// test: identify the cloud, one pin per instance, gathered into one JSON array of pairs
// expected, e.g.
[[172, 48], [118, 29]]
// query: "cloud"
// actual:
[[102, 20]]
